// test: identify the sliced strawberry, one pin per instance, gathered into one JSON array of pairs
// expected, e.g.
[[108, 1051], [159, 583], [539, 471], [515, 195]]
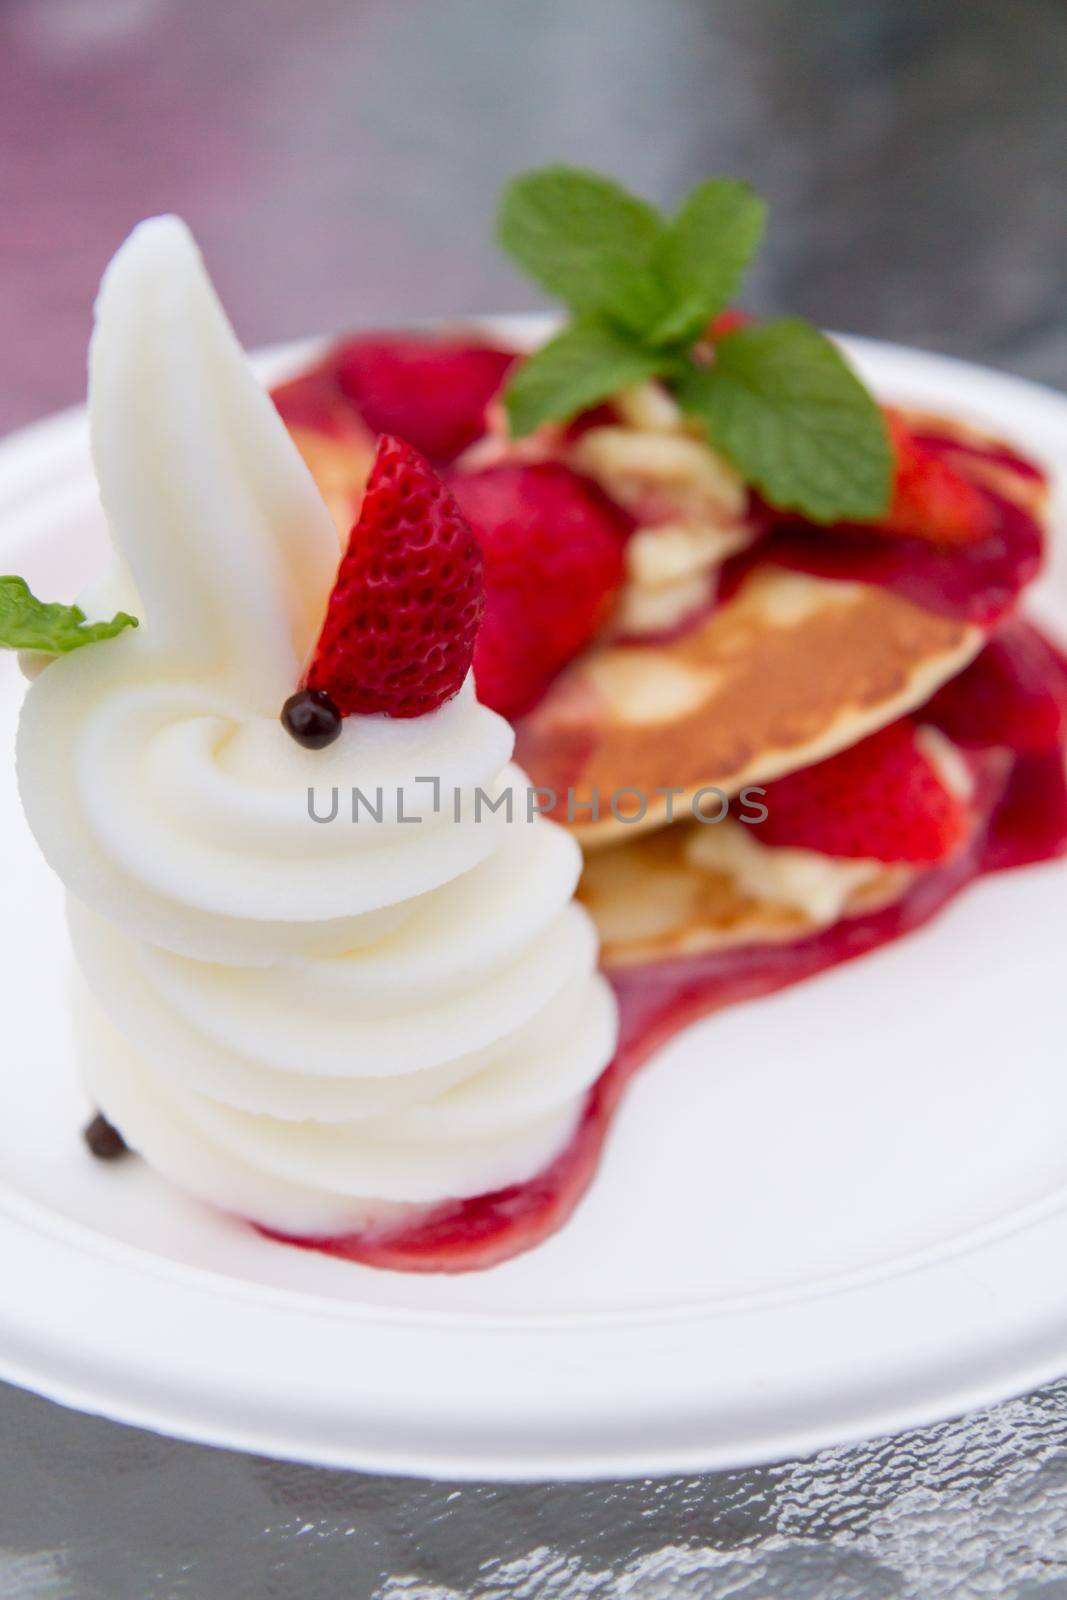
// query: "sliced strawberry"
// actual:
[[432, 392], [403, 616], [931, 499], [553, 547], [882, 799], [316, 402], [1014, 694]]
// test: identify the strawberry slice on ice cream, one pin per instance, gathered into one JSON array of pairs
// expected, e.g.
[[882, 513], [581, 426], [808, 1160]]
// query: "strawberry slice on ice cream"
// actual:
[[405, 609]]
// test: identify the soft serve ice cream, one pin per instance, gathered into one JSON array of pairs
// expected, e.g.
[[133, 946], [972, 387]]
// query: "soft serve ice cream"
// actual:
[[315, 1024]]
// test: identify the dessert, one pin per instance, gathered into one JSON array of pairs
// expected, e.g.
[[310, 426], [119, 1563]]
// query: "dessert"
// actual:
[[317, 1027], [758, 638]]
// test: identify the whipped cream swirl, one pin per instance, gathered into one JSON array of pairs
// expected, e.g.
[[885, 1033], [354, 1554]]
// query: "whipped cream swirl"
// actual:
[[314, 1024]]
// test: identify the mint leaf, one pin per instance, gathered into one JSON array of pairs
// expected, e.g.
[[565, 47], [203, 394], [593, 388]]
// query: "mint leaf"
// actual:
[[782, 403], [586, 362], [27, 623], [587, 241], [703, 256], [779, 400]]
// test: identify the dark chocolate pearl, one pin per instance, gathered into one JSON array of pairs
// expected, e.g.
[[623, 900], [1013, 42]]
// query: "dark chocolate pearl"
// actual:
[[312, 718], [105, 1142]]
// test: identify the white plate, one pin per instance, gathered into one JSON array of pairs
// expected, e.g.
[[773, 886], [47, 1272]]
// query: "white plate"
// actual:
[[830, 1213]]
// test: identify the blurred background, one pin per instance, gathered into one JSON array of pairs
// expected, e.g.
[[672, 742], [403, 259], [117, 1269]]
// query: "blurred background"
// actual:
[[339, 161]]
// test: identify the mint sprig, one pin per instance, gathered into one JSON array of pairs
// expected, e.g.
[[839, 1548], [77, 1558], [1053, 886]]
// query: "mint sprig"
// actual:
[[778, 400], [27, 623]]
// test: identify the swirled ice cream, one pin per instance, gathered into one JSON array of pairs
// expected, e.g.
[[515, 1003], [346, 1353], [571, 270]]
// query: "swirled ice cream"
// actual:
[[310, 1022]]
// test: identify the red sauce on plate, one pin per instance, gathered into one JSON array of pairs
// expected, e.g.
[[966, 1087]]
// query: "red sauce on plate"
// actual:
[[1012, 700]]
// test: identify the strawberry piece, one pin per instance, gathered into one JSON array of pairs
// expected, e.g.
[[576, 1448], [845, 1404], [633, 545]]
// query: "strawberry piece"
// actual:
[[931, 499], [732, 320], [315, 402], [403, 616], [432, 392], [553, 547], [1014, 694], [882, 799]]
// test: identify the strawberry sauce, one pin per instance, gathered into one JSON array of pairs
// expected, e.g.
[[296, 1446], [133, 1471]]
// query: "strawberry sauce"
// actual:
[[978, 582], [1011, 705]]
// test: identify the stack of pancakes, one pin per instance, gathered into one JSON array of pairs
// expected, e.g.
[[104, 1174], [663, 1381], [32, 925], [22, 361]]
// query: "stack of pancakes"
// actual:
[[784, 671]]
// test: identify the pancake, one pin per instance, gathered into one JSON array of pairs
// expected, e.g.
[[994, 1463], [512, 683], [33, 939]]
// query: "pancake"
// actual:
[[788, 671], [690, 888]]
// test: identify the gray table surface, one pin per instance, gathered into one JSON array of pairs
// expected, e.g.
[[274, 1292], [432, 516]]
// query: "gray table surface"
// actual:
[[339, 160]]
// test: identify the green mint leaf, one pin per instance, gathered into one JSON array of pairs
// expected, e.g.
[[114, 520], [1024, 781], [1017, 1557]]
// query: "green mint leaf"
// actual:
[[587, 241], [782, 404], [585, 363], [27, 623], [703, 256]]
